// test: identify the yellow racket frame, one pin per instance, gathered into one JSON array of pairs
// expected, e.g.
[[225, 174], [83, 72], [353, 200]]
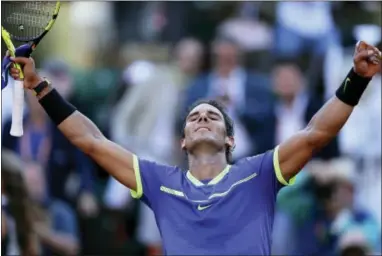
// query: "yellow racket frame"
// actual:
[[8, 41], [11, 48]]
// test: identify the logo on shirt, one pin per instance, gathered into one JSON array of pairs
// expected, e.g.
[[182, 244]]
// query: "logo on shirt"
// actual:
[[201, 208]]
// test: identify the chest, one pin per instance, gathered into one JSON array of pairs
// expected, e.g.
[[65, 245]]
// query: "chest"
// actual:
[[222, 209]]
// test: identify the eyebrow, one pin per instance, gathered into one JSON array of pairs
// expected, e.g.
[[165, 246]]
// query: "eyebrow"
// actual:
[[208, 112]]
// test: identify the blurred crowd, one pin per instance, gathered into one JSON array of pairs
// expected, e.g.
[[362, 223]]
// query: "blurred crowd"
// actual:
[[272, 64]]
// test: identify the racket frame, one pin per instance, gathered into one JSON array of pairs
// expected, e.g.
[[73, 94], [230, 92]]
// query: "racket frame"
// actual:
[[34, 41], [18, 86]]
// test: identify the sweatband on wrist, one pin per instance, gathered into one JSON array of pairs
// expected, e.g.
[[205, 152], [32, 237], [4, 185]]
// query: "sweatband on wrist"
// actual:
[[57, 108], [40, 87], [352, 88]]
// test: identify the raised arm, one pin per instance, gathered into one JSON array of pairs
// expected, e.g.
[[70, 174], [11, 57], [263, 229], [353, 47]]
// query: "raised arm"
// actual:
[[294, 153], [83, 134], [77, 128]]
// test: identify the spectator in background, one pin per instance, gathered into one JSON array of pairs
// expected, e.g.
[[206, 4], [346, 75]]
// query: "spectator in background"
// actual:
[[334, 215], [17, 234], [43, 143], [54, 221], [295, 105], [188, 54], [303, 27], [246, 96]]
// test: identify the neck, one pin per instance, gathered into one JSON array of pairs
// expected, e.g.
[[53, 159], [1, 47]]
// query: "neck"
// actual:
[[207, 165]]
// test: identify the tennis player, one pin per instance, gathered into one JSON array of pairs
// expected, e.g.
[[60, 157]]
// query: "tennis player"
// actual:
[[213, 208]]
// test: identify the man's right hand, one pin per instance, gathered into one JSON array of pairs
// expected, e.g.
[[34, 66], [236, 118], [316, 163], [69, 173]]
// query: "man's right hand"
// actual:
[[31, 78]]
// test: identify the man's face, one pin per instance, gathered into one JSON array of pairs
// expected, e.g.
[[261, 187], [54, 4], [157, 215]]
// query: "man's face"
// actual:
[[189, 57], [226, 56], [205, 125], [287, 80]]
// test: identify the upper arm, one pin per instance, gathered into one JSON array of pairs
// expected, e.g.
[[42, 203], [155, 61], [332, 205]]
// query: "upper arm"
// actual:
[[117, 161], [143, 177], [294, 154], [114, 159]]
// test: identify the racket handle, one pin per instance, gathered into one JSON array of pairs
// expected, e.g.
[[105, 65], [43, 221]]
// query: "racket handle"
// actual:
[[17, 109]]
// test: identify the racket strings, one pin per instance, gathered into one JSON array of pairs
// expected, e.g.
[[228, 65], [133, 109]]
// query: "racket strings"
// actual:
[[26, 20]]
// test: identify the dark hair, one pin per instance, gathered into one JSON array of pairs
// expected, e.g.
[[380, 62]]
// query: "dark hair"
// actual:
[[19, 202], [229, 125]]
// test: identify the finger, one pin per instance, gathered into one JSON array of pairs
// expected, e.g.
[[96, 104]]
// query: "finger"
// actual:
[[374, 58], [20, 60], [13, 65], [378, 53], [366, 46], [363, 55], [360, 46], [15, 76], [14, 71]]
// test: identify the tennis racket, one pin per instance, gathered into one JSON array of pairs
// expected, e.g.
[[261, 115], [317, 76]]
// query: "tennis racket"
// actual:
[[24, 22]]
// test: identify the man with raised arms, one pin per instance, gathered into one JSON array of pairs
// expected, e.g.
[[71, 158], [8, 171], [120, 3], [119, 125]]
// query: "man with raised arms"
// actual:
[[214, 207]]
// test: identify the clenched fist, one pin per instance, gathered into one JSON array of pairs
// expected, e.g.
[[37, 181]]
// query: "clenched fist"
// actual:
[[367, 60]]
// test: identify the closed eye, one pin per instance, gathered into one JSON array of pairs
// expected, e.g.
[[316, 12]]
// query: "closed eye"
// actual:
[[193, 117], [214, 116], [211, 115]]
